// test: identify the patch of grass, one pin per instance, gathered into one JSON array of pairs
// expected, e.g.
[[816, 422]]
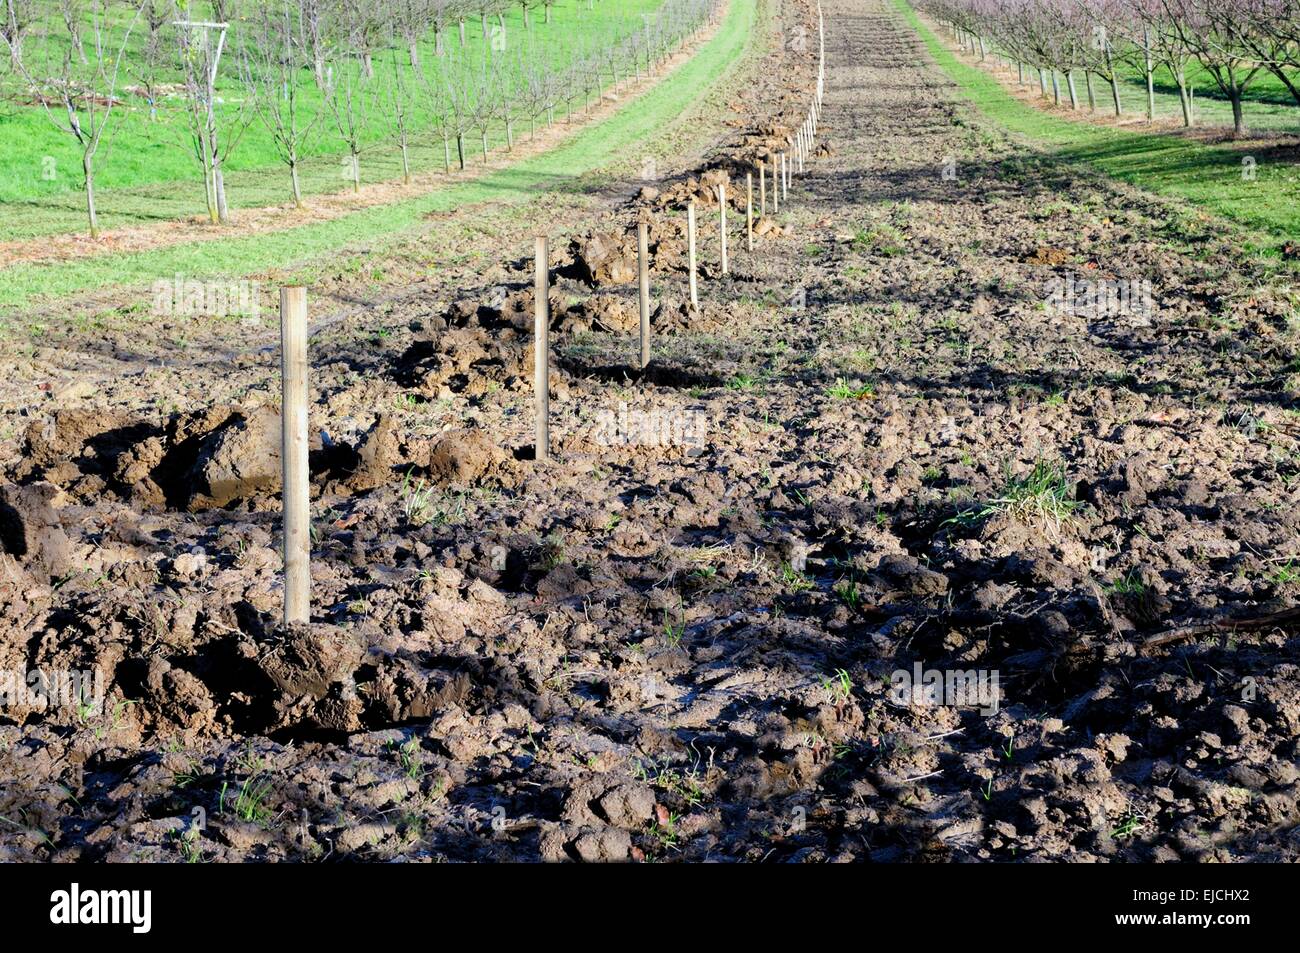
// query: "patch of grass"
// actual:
[[843, 390], [423, 504], [1128, 827], [883, 240], [250, 802], [838, 686], [795, 580], [1128, 585], [847, 590], [1287, 574], [408, 756], [1044, 497]]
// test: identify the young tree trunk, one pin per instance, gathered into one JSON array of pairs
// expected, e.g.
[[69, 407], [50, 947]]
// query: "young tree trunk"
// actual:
[[1151, 81], [461, 24], [1238, 117], [1020, 72], [209, 192], [88, 169], [1042, 82], [406, 163], [510, 138], [368, 64], [293, 180], [483, 136], [1092, 97], [414, 52], [1184, 99], [1056, 88], [446, 154], [460, 150], [1114, 86], [1074, 94], [219, 188], [356, 170]]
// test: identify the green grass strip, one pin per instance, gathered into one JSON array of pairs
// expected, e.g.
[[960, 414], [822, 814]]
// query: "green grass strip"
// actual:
[[1210, 177]]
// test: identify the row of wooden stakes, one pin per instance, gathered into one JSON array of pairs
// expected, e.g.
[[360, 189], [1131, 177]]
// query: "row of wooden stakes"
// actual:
[[783, 167], [293, 343]]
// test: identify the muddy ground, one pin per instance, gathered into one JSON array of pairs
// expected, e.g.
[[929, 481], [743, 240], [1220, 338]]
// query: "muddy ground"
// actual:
[[879, 443]]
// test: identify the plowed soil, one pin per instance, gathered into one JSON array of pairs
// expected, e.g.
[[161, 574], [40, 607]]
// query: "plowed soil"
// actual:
[[678, 639]]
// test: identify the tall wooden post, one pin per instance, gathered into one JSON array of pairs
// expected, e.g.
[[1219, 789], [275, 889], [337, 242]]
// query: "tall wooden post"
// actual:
[[293, 455], [762, 189], [690, 253], [722, 223], [542, 351], [643, 279], [749, 211]]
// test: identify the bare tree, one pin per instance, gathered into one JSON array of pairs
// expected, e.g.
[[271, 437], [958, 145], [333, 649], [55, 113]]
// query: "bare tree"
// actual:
[[433, 88], [79, 99], [1210, 30], [482, 89], [148, 66], [19, 17], [459, 101], [275, 57], [400, 103], [318, 25], [212, 136], [349, 99], [72, 12], [412, 19], [526, 6], [366, 25]]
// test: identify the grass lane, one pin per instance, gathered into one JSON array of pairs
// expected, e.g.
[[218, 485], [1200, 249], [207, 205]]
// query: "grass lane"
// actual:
[[1209, 176]]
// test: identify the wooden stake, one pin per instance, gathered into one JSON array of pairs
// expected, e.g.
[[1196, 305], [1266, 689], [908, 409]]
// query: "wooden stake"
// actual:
[[749, 211], [722, 223], [762, 189], [542, 352], [690, 252], [785, 178], [293, 455], [776, 188], [643, 278]]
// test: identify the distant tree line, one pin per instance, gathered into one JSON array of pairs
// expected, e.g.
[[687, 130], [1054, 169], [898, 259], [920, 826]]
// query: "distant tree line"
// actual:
[[348, 72], [1235, 42]]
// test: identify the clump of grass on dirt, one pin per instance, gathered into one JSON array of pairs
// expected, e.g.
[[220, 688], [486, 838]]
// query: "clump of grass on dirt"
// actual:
[[1043, 497], [883, 240], [843, 390], [1128, 585], [422, 504]]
